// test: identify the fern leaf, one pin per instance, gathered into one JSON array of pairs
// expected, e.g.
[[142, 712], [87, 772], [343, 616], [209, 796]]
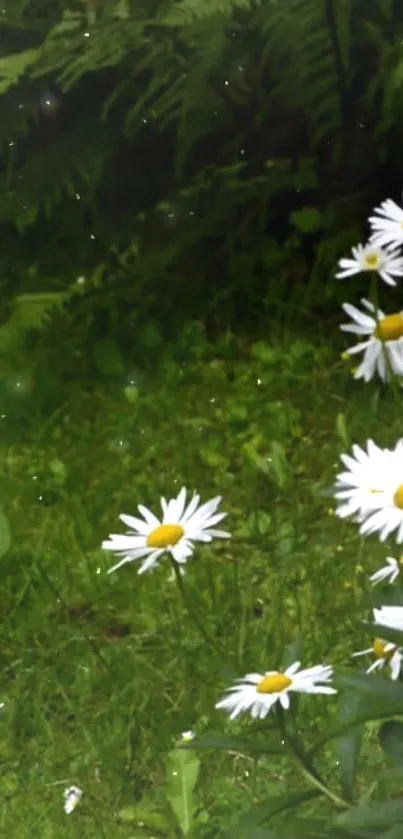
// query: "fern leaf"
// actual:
[[189, 11], [12, 67], [29, 312]]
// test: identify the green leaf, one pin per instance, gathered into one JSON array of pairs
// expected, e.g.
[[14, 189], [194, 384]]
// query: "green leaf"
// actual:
[[379, 698], [147, 815], [183, 769], [108, 358], [131, 393], [260, 813], [278, 464], [221, 742], [379, 814], [341, 430], [394, 832], [12, 67], [29, 311], [349, 745], [293, 652], [373, 687], [391, 740], [308, 828], [59, 470], [5, 535], [385, 632], [307, 220]]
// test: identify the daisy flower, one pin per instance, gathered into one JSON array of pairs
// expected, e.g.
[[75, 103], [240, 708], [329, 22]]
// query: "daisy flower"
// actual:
[[175, 533], [389, 572], [383, 337], [258, 694], [388, 263], [390, 616], [386, 654], [387, 224], [71, 796], [357, 488]]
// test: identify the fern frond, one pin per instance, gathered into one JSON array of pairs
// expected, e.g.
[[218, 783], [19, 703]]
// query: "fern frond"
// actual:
[[12, 67], [29, 312], [74, 163], [189, 11], [299, 58]]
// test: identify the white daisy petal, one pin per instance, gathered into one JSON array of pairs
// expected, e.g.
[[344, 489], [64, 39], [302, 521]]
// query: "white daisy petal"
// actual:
[[367, 321], [259, 693], [386, 655], [134, 523], [358, 347], [179, 527], [391, 616], [192, 507], [150, 518], [373, 490], [176, 506], [387, 224], [385, 339], [395, 664], [71, 796], [389, 572], [362, 652], [150, 561], [388, 263]]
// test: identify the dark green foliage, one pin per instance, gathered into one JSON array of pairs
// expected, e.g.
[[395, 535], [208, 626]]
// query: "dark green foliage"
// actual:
[[245, 137]]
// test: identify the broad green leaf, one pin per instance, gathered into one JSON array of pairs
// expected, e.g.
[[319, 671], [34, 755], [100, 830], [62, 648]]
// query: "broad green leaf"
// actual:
[[147, 815], [108, 358], [30, 311], [293, 652], [5, 535], [222, 742], [373, 686], [278, 464], [59, 470], [378, 814], [300, 828], [348, 746], [260, 813], [12, 67], [379, 699], [182, 770], [261, 833], [391, 740], [145, 834], [341, 430], [307, 220], [385, 632], [394, 832], [131, 393]]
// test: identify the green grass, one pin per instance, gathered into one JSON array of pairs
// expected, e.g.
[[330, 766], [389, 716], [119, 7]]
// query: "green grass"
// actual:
[[101, 674]]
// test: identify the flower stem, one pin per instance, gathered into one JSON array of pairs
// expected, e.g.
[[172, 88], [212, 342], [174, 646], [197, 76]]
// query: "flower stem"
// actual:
[[306, 765], [193, 614]]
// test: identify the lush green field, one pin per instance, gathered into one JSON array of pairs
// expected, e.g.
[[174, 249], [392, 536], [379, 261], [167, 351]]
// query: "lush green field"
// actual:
[[102, 673]]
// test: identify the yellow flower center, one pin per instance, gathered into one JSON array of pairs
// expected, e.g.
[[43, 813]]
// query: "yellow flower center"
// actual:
[[372, 260], [398, 497], [390, 328], [275, 683], [380, 650], [165, 536]]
